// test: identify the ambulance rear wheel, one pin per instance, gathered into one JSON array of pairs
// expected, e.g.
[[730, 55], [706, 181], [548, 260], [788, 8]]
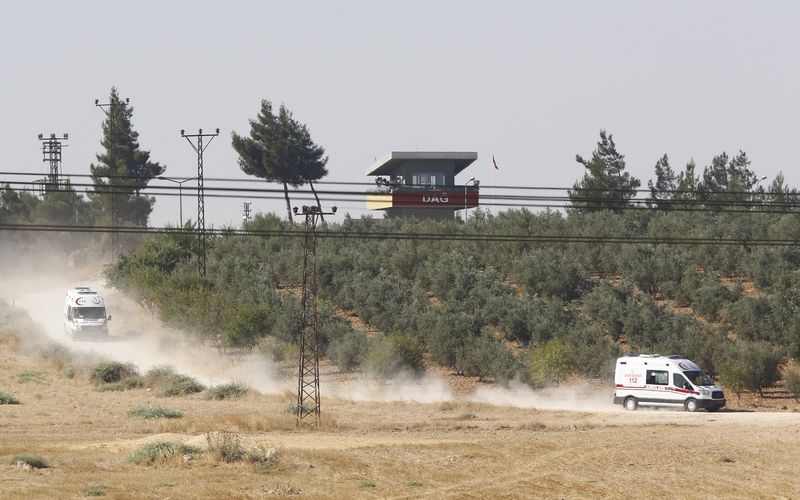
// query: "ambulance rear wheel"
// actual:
[[631, 404], [690, 405]]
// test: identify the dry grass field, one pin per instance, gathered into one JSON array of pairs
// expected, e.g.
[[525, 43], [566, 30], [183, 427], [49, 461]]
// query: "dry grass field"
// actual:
[[367, 446]]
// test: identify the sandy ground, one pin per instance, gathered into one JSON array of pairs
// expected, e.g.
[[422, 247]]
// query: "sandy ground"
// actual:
[[410, 438]]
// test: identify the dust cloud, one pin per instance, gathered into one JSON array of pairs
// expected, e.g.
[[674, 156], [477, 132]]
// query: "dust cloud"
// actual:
[[138, 338], [574, 396], [402, 387], [134, 335]]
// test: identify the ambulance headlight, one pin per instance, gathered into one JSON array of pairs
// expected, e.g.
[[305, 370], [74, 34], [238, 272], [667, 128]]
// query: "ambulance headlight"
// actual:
[[705, 392]]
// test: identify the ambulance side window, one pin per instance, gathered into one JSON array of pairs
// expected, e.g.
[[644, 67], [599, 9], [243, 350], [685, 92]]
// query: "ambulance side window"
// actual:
[[657, 377], [680, 382]]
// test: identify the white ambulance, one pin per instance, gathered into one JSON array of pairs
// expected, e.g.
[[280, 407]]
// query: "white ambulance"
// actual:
[[85, 313], [655, 380]]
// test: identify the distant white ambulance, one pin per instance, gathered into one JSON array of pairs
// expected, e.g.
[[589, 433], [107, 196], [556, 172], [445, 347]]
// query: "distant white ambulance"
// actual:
[[85, 313], [655, 380]]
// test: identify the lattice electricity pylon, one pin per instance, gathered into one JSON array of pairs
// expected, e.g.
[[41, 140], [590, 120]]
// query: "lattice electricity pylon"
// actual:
[[51, 153], [201, 208], [308, 399]]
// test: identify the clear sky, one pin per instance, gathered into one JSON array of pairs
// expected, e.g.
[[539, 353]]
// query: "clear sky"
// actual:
[[531, 82]]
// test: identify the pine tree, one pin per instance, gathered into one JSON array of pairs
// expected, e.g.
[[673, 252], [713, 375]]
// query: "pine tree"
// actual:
[[727, 181], [280, 149], [122, 170], [686, 191], [662, 193], [605, 185]]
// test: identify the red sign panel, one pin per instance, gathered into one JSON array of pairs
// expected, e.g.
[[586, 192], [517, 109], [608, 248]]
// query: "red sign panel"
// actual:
[[452, 199]]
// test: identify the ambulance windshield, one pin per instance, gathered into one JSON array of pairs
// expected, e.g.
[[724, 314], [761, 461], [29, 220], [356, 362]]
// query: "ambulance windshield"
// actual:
[[90, 312], [698, 378]]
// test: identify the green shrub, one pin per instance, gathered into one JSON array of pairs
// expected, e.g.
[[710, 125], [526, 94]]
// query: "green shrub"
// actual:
[[552, 362], [757, 318], [486, 356], [161, 451], [31, 376], [108, 373], [552, 274], [749, 366], [389, 355], [247, 324], [607, 307], [8, 399], [33, 461], [148, 412], [291, 409], [232, 390], [277, 350], [157, 374], [711, 298], [349, 351], [181, 385], [595, 355], [793, 384], [127, 383], [167, 383]]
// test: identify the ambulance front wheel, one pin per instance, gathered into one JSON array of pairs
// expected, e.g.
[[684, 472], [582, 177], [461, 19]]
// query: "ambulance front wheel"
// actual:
[[690, 405], [631, 404]]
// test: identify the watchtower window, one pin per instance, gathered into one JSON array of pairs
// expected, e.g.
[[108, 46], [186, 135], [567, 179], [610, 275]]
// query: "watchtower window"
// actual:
[[428, 179]]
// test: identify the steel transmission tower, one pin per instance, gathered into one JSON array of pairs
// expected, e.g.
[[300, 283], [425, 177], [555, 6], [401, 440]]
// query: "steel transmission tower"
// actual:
[[201, 210], [111, 113], [246, 214], [51, 153], [308, 401]]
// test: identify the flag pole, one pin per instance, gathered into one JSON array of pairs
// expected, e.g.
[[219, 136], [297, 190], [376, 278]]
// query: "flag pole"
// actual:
[[492, 167]]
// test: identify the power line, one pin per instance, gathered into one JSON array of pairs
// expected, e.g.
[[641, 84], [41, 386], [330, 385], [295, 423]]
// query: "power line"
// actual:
[[556, 202], [384, 235], [519, 187]]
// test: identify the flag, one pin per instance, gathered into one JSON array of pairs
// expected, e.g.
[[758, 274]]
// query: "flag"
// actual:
[[495, 164]]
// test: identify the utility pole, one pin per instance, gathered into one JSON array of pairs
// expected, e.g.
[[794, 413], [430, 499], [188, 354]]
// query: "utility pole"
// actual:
[[201, 210], [110, 113], [51, 153], [308, 401]]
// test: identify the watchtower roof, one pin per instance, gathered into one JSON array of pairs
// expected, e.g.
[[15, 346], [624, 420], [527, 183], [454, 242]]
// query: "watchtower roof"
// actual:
[[388, 164]]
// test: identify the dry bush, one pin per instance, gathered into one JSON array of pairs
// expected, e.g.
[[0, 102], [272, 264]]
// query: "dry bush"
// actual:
[[225, 446], [29, 461], [127, 383], [168, 383], [8, 399], [30, 376], [162, 451], [532, 426], [109, 373], [228, 391], [148, 412]]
